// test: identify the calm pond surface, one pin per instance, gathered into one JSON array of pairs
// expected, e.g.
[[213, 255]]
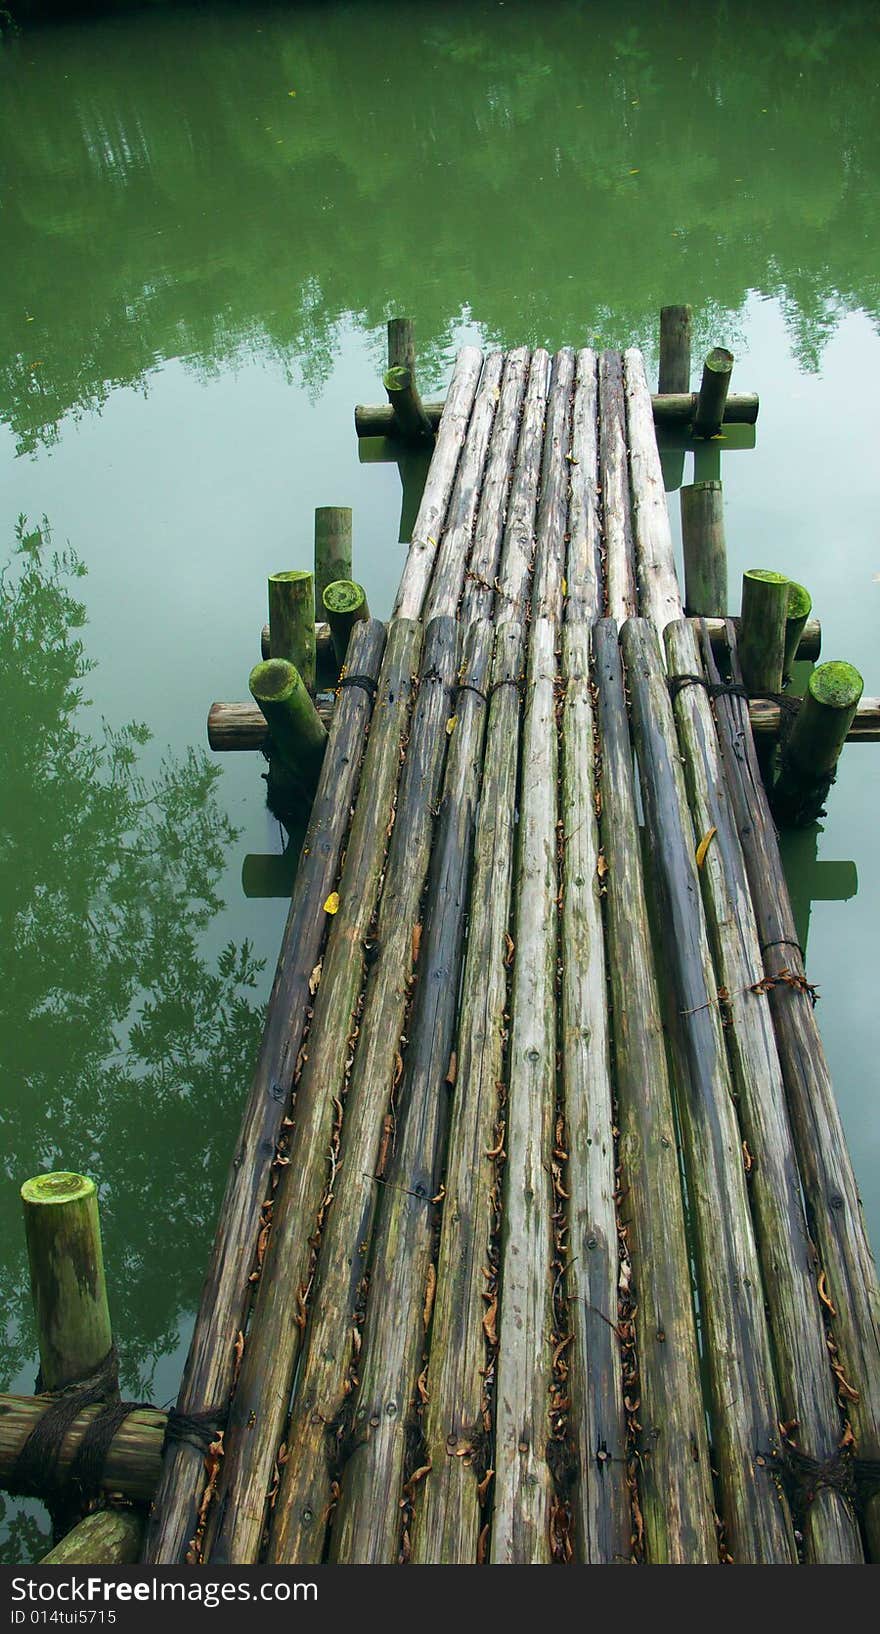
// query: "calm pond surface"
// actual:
[[207, 217]]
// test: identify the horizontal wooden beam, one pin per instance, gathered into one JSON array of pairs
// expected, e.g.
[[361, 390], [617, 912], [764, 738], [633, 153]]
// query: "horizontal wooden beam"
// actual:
[[133, 1460], [670, 409]]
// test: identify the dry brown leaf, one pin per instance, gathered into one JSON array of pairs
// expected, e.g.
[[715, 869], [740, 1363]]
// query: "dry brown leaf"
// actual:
[[704, 845]]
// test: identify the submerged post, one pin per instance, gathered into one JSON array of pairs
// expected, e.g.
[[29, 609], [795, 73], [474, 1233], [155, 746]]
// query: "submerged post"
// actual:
[[762, 632], [800, 606], [295, 727], [345, 603], [333, 558], [675, 349], [69, 1291], [292, 622], [715, 384], [705, 550], [411, 419], [810, 755]]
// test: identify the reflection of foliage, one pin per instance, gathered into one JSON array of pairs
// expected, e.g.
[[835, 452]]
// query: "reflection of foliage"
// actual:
[[553, 170], [122, 1053]]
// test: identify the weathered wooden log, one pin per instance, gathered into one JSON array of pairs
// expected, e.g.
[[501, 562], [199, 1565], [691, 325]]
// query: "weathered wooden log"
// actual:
[[297, 734], [68, 1288], [800, 606], [445, 589], [584, 578], [518, 543], [766, 720], [672, 1450], [600, 1496], [675, 348], [411, 422], [298, 1521], [222, 1313], [107, 1537], [241, 728], [668, 409], [523, 1483], [617, 545], [744, 1401], [659, 595], [808, 765], [451, 1502], [323, 648], [439, 484], [784, 1246], [401, 344], [367, 1522], [551, 522], [705, 550], [333, 549], [808, 648], [345, 604], [134, 1457], [714, 387], [479, 586], [257, 1414], [762, 629], [292, 622], [848, 1274]]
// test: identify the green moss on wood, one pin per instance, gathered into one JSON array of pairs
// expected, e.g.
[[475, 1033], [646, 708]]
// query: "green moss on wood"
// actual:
[[837, 685]]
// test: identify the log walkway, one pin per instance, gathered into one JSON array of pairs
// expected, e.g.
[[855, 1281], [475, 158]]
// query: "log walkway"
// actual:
[[541, 1242]]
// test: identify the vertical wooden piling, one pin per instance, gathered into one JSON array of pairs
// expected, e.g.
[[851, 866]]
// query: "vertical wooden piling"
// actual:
[[333, 549], [675, 349], [401, 344], [800, 606], [292, 622], [714, 387], [704, 549], [69, 1291], [763, 620], [298, 734], [345, 604], [812, 749], [411, 420]]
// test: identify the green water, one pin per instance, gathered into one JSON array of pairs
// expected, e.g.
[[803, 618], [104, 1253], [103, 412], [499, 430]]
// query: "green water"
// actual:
[[206, 219]]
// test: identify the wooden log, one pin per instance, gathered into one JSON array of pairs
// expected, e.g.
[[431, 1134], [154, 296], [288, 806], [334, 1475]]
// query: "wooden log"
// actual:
[[584, 566], [808, 765], [784, 1246], [298, 1521], [401, 344], [450, 1507], [68, 1288], [618, 547], [212, 1358], [439, 484], [523, 1484], [345, 604], [705, 550], [323, 648], [668, 409], [479, 591], [257, 1414], [292, 622], [134, 1457], [518, 543], [714, 387], [333, 550], [808, 648], [800, 606], [454, 550], [762, 629], [834, 1209], [744, 1401], [297, 734], [411, 422], [551, 524], [675, 348], [241, 728], [672, 1450], [367, 1522], [600, 1496], [107, 1537], [659, 595], [766, 720]]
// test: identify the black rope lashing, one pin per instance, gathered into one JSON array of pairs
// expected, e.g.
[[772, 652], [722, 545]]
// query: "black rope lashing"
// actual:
[[195, 1429], [857, 1480], [370, 686], [788, 705], [36, 1469], [784, 941]]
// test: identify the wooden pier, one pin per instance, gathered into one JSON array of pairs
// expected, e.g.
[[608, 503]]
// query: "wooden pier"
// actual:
[[541, 1243]]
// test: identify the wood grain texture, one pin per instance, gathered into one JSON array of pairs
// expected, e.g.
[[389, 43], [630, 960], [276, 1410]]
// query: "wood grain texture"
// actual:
[[479, 587], [618, 551], [659, 595], [518, 543], [584, 577], [439, 484], [551, 525], [454, 551]]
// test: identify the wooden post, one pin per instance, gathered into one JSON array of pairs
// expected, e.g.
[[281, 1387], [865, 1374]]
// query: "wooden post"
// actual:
[[800, 606], [705, 549], [812, 750], [412, 422], [345, 604], [323, 644], [67, 1277], [675, 348], [714, 386], [762, 630], [297, 731], [333, 555], [401, 344], [292, 622], [107, 1537]]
